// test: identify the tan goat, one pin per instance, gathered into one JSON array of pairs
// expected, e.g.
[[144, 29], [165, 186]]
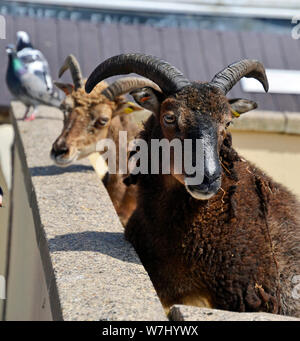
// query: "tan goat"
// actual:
[[89, 118]]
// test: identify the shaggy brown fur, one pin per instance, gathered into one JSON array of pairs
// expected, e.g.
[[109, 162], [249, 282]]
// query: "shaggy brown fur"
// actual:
[[123, 197], [85, 101], [238, 250]]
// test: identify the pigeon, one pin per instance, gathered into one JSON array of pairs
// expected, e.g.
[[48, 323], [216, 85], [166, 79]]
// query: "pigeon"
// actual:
[[27, 86], [34, 59]]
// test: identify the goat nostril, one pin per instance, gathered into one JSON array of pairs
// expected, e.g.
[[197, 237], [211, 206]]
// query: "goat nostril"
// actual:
[[59, 150]]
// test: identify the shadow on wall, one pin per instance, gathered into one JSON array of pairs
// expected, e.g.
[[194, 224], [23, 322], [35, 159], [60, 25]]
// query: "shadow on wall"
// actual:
[[54, 170], [108, 243]]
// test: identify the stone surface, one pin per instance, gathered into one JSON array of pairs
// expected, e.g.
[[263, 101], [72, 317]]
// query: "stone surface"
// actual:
[[189, 313], [98, 274], [292, 123], [266, 121]]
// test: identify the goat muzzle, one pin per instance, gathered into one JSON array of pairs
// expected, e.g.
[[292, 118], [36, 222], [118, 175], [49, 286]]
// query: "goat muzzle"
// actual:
[[207, 189]]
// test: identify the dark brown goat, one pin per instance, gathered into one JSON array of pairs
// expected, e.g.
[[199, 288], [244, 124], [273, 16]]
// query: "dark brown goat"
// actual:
[[231, 242]]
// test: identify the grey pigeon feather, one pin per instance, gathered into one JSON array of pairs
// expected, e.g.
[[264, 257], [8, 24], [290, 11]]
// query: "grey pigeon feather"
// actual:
[[34, 59]]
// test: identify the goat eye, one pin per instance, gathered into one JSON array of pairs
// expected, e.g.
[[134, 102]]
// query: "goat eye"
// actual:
[[101, 122], [169, 119]]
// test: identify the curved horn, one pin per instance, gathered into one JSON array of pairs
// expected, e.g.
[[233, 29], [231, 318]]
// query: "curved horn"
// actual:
[[127, 84], [166, 76], [228, 77], [72, 64]]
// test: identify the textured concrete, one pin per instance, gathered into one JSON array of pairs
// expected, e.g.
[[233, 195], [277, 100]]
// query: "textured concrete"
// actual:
[[27, 296], [293, 123], [269, 121], [6, 141], [188, 313], [266, 121], [98, 274]]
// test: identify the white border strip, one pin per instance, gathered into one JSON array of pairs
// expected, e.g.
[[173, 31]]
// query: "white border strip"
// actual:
[[182, 7]]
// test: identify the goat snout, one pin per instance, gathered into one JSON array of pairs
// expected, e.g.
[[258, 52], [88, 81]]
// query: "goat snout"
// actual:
[[60, 152], [60, 147], [208, 188]]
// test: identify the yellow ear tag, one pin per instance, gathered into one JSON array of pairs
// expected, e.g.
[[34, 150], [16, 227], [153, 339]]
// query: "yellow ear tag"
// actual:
[[235, 113], [129, 110]]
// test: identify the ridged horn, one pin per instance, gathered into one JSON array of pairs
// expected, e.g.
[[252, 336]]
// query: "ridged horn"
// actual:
[[127, 84], [228, 77], [166, 76], [72, 64]]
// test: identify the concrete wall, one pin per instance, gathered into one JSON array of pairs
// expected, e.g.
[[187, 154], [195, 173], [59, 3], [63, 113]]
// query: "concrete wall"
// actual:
[[277, 154], [4, 219], [20, 261], [27, 292], [6, 140]]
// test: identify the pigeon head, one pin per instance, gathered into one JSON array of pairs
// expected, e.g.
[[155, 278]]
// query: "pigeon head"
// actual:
[[23, 40]]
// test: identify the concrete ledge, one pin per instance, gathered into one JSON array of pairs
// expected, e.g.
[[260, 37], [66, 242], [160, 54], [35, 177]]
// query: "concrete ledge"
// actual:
[[292, 123], [189, 313], [269, 121], [92, 273]]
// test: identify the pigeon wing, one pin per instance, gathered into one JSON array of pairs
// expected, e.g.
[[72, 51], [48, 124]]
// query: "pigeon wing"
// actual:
[[36, 89], [36, 63]]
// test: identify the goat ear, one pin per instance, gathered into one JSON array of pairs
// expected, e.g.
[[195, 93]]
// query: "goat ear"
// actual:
[[124, 108], [148, 98], [240, 106], [67, 88]]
